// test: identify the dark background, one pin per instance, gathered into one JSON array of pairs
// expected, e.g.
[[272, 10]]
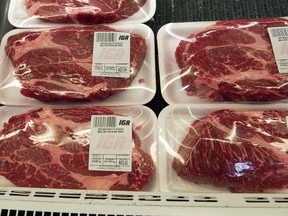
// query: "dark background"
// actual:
[[191, 10]]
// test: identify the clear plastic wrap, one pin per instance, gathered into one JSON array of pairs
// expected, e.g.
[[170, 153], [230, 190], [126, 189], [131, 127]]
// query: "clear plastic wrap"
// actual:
[[36, 13], [44, 147], [55, 64], [220, 61], [223, 148]]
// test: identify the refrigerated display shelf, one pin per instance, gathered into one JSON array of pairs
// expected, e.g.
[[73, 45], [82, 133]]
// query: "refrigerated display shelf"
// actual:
[[83, 202], [46, 202]]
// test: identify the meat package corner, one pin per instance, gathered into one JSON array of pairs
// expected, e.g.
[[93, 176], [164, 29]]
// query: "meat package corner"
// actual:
[[61, 68], [224, 148], [220, 61], [43, 147]]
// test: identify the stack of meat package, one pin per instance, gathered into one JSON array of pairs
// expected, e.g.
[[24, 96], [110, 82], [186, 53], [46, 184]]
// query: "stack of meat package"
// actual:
[[226, 128], [74, 78]]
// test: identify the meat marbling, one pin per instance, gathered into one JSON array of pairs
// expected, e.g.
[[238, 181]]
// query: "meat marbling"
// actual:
[[232, 61], [56, 64], [244, 151], [49, 148], [83, 12]]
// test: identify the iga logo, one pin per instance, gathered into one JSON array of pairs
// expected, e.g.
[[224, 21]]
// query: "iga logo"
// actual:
[[124, 37], [112, 54], [111, 141], [124, 122], [284, 48]]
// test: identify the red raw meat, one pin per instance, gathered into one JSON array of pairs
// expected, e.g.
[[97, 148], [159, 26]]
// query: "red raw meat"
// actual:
[[57, 64], [49, 148], [83, 12], [245, 151], [232, 61]]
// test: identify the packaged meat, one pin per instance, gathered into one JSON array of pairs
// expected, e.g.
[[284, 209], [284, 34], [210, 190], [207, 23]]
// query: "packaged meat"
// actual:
[[37, 13], [48, 147], [224, 148], [232, 60], [56, 64]]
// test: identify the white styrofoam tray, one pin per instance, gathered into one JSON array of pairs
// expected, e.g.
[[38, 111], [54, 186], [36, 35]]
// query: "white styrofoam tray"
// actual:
[[174, 123], [168, 38], [19, 17], [144, 123], [141, 90]]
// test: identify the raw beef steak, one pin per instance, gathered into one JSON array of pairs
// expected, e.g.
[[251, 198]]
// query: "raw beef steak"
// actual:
[[232, 61], [245, 151], [49, 148], [84, 12], [57, 64]]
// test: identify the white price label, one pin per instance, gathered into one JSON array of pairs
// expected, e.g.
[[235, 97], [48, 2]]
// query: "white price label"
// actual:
[[110, 143], [111, 54], [279, 40]]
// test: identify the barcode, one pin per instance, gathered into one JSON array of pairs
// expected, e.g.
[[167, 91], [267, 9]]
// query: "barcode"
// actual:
[[279, 32], [104, 121], [106, 37]]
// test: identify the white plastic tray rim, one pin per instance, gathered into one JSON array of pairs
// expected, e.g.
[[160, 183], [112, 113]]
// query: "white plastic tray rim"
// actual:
[[141, 90]]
